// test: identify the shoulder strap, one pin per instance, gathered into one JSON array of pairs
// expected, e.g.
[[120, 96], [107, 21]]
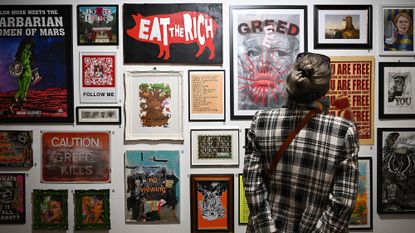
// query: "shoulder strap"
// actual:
[[287, 142]]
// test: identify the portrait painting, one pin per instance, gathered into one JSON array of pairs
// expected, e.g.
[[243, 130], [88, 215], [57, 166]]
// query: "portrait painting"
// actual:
[[50, 209], [12, 199], [92, 209]]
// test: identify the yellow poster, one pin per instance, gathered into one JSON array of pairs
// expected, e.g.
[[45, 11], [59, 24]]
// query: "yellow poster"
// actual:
[[243, 204]]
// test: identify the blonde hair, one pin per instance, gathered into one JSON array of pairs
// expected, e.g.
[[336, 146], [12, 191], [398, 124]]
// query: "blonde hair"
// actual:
[[405, 15]]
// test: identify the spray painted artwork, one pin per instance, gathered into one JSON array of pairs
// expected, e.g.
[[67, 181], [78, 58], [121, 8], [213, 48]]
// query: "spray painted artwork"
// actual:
[[12, 199]]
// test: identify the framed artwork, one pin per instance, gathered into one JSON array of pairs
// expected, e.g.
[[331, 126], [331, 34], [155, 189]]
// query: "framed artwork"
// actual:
[[110, 115], [92, 209], [343, 26], [396, 171], [351, 93], [152, 187], [243, 209], [16, 149], [76, 157], [397, 30], [396, 90], [265, 41], [12, 201], [37, 87], [153, 105], [97, 24], [362, 215], [98, 82], [214, 147], [173, 33], [211, 203], [207, 95], [50, 209]]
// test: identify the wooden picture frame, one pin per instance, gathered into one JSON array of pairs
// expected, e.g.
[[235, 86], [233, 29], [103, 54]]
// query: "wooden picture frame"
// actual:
[[265, 41], [207, 96], [152, 178], [89, 16], [92, 209], [362, 215], [50, 209], [13, 193], [214, 213], [243, 209], [329, 32], [214, 147], [395, 168], [16, 149], [153, 105], [396, 90], [397, 40], [100, 115]]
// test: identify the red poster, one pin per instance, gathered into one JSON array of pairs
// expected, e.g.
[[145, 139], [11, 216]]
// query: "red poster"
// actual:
[[76, 157]]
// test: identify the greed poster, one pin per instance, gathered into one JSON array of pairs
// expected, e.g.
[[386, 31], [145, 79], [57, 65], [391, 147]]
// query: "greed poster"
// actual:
[[351, 93], [76, 157], [16, 148], [36, 63], [173, 33], [12, 199]]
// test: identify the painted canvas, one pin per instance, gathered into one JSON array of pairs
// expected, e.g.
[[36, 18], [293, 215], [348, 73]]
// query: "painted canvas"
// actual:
[[50, 209], [12, 199], [362, 215], [16, 148], [92, 209]]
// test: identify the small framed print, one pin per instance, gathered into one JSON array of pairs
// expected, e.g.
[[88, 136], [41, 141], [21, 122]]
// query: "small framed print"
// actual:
[[50, 209], [16, 149], [211, 203], [98, 115], [12, 193], [97, 24], [98, 82], [397, 30], [153, 105], [396, 171], [207, 95], [342, 26], [362, 215], [396, 90], [243, 209], [92, 209], [214, 147]]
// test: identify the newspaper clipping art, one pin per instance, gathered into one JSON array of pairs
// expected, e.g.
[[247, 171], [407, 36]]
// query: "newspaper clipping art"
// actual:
[[16, 148], [152, 187], [12, 199]]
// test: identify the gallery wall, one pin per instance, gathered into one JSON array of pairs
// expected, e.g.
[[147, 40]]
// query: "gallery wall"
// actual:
[[382, 223]]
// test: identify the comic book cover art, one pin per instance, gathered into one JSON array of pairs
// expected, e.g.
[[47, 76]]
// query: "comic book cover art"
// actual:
[[36, 64], [152, 187], [155, 101], [16, 148], [97, 24], [12, 199], [173, 33]]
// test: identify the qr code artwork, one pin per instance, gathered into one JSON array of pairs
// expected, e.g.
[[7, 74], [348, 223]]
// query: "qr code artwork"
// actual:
[[98, 71]]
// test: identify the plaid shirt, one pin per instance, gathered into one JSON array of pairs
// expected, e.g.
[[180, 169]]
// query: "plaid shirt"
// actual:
[[315, 183]]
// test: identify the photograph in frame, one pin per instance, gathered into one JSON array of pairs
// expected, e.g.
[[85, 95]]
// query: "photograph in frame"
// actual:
[[395, 171], [153, 105], [98, 79], [152, 187], [207, 95], [36, 86], [92, 209], [76, 157], [264, 40], [16, 149], [97, 24], [362, 215], [243, 209], [397, 30], [50, 209], [396, 90], [214, 147], [342, 26], [98, 115], [211, 206], [13, 199]]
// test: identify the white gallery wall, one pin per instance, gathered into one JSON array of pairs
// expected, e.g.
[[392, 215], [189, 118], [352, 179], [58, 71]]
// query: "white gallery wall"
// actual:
[[381, 223]]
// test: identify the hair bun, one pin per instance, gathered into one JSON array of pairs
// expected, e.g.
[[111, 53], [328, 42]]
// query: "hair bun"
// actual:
[[307, 73]]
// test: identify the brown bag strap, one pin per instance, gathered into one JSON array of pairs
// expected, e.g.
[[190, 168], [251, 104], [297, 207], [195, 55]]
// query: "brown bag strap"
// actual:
[[287, 142]]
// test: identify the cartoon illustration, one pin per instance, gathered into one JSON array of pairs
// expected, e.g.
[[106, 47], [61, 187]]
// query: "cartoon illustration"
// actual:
[[211, 205], [154, 105]]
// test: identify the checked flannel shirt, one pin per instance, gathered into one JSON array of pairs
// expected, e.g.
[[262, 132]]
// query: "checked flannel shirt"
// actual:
[[314, 186]]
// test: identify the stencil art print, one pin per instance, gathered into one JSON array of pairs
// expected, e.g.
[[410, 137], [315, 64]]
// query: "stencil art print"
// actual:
[[155, 104], [215, 146]]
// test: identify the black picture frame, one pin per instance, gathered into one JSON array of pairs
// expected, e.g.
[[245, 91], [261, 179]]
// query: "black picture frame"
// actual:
[[99, 115], [393, 164], [324, 40], [399, 104], [112, 25]]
